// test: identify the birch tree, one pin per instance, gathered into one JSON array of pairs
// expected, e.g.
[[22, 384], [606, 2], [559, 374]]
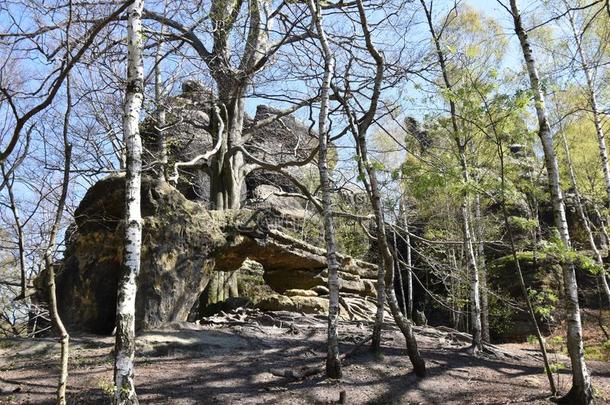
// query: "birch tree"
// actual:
[[590, 72], [126, 296], [581, 391], [333, 363]]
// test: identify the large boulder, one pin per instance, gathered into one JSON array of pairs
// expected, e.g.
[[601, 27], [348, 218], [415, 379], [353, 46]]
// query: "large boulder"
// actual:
[[177, 239]]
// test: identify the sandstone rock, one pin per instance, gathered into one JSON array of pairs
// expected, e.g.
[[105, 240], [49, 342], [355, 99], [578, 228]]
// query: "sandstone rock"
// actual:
[[300, 293], [320, 290], [277, 302], [311, 305], [178, 237], [183, 246]]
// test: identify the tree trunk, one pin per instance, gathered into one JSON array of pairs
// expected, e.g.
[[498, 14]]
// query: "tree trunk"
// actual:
[[359, 128], [333, 363], [125, 392], [226, 174], [592, 95], [161, 114], [19, 228], [581, 391], [603, 153], [585, 219], [401, 286], [475, 303], [409, 306], [511, 239], [403, 323], [482, 272]]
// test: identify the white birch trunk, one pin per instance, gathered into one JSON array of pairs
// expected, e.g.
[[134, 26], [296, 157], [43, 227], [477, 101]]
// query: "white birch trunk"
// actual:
[[482, 272], [581, 391], [126, 299], [333, 363]]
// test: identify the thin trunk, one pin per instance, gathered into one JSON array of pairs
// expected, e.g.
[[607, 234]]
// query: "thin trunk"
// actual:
[[581, 391], [19, 228], [592, 95], [475, 304], [455, 291], [603, 153], [387, 260], [482, 271], [399, 271], [64, 338], [125, 392], [409, 312], [530, 307], [161, 113], [333, 362], [359, 128], [584, 218]]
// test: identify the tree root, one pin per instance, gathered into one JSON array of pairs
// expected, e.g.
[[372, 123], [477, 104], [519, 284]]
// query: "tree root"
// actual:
[[304, 372]]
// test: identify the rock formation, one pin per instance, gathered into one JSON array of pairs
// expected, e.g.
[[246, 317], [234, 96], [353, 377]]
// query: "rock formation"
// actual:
[[184, 243]]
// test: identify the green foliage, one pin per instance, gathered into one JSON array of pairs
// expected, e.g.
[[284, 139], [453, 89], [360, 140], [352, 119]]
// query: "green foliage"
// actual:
[[107, 387], [556, 249], [522, 225], [598, 352], [556, 367], [557, 344], [544, 302], [501, 316], [351, 239]]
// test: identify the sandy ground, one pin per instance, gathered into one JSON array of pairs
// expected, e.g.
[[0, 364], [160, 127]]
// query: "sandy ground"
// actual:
[[236, 364]]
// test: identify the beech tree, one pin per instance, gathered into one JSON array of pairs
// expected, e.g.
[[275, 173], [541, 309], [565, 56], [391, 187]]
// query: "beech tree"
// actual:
[[359, 126]]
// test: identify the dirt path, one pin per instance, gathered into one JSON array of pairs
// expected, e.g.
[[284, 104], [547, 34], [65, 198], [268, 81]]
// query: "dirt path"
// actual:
[[231, 364]]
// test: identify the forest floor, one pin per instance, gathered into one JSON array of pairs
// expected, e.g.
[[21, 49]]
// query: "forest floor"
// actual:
[[248, 359]]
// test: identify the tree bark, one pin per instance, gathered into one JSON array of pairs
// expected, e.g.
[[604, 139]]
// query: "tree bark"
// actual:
[[603, 153], [581, 391], [409, 304], [333, 362], [19, 229], [64, 338], [482, 271], [359, 128], [125, 392], [398, 258]]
